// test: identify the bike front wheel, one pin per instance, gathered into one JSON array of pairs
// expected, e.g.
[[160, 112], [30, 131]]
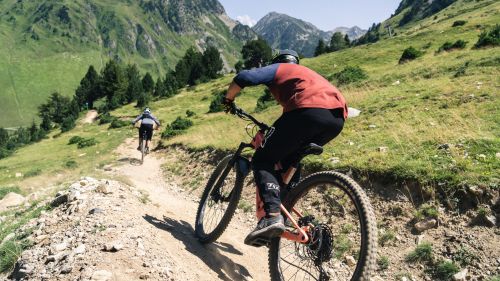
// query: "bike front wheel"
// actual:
[[219, 201], [342, 232]]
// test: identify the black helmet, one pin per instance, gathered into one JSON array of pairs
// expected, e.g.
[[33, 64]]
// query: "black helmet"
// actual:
[[286, 56]]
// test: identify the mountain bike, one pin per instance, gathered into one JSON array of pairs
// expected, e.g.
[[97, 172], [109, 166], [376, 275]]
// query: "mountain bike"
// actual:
[[142, 145], [330, 231]]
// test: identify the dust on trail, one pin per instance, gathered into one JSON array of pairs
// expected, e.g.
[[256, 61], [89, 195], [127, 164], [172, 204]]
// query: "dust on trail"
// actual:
[[227, 259]]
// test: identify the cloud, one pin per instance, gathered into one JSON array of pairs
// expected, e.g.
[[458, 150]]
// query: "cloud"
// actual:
[[247, 20]]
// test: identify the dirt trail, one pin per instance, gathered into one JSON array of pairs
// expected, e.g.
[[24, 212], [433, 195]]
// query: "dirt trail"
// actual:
[[228, 259]]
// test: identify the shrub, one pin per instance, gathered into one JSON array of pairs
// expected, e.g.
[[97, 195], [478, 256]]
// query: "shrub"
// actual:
[[426, 211], [190, 113], [386, 237], [495, 278], [448, 46], [409, 54], [445, 270], [265, 101], [216, 104], [86, 143], [489, 38], [67, 124], [117, 123], [5, 190], [9, 253], [458, 23], [350, 74], [32, 173], [71, 164], [464, 257], [74, 140], [106, 118], [422, 252], [383, 263], [461, 70], [179, 126]]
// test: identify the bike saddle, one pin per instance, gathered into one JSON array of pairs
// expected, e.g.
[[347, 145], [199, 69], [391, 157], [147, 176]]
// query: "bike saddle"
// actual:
[[310, 149]]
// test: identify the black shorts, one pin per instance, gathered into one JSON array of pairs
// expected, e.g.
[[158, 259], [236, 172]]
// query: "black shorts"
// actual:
[[148, 129]]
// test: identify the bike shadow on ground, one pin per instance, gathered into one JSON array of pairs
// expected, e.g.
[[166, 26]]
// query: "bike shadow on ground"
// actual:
[[210, 254], [131, 160]]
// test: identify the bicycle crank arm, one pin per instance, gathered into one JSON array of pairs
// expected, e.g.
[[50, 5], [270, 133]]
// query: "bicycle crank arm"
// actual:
[[301, 236]]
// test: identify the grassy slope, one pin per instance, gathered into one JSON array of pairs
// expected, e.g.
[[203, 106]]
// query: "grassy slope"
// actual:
[[31, 70], [428, 108]]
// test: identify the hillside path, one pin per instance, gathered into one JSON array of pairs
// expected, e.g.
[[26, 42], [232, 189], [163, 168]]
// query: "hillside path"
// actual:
[[227, 259]]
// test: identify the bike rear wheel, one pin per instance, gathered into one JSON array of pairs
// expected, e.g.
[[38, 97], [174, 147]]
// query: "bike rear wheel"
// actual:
[[218, 203], [343, 233], [143, 150]]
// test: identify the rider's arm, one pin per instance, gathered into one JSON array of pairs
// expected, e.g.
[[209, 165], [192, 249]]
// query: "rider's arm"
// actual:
[[256, 76], [154, 119], [137, 119]]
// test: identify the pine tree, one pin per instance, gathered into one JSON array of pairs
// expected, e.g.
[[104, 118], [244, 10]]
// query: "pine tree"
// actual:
[[46, 123], [88, 91], [182, 73], [160, 90], [212, 62], [4, 137], [338, 42], [143, 99], [170, 84], [134, 88], [114, 84], [256, 53], [194, 60], [34, 136], [321, 48], [148, 84]]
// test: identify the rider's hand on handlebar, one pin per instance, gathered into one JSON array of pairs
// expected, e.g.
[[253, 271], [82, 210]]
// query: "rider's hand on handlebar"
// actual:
[[229, 106]]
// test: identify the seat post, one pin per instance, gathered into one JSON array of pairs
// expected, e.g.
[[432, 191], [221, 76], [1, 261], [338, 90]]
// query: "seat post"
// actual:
[[287, 177]]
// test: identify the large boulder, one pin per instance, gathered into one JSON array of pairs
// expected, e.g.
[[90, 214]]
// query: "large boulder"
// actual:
[[11, 200]]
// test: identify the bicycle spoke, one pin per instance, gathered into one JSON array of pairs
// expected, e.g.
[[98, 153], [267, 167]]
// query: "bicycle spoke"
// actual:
[[337, 219]]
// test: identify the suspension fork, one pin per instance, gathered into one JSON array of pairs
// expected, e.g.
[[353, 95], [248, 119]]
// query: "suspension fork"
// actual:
[[216, 191]]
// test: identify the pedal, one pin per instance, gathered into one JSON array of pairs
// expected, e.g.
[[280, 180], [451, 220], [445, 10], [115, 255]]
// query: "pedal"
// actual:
[[259, 242]]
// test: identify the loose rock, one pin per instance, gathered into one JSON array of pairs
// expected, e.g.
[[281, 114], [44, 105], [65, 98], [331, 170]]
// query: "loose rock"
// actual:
[[425, 225], [350, 260], [461, 276]]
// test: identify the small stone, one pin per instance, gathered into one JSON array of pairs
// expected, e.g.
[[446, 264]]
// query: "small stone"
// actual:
[[497, 155], [108, 168], [113, 247], [396, 83], [420, 239], [377, 278], [66, 269], [372, 126], [96, 211], [444, 146], [103, 188], [383, 149], [60, 247], [335, 160], [102, 275], [144, 276], [19, 175], [425, 224], [73, 195], [481, 156], [59, 200], [79, 250], [460, 276], [10, 200], [350, 260]]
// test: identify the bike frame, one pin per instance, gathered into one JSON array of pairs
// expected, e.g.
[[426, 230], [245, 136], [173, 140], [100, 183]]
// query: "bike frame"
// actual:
[[243, 167]]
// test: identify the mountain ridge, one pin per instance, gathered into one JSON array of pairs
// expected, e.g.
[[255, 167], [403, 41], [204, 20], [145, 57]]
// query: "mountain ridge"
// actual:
[[282, 31]]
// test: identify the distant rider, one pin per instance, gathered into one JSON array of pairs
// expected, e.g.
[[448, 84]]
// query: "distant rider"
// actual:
[[313, 112], [147, 125]]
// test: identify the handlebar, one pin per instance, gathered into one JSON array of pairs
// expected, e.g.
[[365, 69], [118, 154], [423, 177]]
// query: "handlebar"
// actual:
[[245, 116]]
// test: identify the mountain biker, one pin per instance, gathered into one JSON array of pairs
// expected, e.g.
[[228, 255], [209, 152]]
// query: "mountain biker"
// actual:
[[147, 125], [314, 111]]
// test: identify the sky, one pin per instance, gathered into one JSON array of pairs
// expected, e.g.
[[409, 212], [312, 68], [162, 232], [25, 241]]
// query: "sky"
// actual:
[[325, 14]]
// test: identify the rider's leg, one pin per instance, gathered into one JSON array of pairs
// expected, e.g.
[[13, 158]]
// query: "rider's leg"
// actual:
[[286, 139]]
